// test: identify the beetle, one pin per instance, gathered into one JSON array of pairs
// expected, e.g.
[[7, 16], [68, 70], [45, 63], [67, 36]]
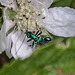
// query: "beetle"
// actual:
[[36, 38]]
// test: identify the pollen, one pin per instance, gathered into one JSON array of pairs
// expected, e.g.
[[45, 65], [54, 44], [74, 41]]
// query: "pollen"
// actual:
[[27, 16]]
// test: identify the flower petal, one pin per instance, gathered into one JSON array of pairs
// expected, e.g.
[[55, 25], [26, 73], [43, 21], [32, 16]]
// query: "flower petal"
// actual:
[[3, 36], [7, 25], [9, 3], [8, 45], [20, 49], [61, 21], [2, 39], [47, 3]]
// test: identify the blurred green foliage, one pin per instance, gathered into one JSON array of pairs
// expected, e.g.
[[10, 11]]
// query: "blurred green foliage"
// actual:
[[56, 0], [72, 4], [1, 17], [61, 3], [51, 59], [2, 5]]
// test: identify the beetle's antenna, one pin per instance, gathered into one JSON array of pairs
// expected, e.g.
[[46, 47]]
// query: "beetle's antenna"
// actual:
[[20, 45]]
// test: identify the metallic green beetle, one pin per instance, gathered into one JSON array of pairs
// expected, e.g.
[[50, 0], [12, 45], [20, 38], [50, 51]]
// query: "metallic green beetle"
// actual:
[[37, 40]]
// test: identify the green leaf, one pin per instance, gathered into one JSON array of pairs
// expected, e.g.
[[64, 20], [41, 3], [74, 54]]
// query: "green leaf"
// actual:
[[1, 5], [56, 0], [1, 17], [10, 30], [72, 4], [52, 59], [61, 3], [10, 14]]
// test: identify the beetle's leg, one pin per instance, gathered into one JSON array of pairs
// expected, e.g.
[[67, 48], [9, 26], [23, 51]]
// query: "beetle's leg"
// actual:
[[32, 44], [37, 32], [29, 40]]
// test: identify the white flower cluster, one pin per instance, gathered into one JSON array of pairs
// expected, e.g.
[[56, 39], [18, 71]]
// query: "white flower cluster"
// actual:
[[33, 15], [26, 16]]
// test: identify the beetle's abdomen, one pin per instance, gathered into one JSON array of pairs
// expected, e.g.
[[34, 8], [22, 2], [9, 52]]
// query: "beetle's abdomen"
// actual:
[[47, 39], [39, 40]]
